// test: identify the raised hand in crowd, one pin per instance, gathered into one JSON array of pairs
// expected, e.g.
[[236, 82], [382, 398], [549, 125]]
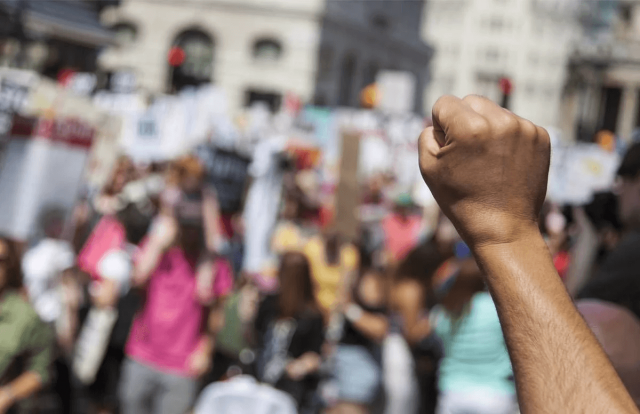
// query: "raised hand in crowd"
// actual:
[[487, 168]]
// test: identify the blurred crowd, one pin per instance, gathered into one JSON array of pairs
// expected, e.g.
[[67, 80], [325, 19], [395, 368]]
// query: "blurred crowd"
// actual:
[[151, 299]]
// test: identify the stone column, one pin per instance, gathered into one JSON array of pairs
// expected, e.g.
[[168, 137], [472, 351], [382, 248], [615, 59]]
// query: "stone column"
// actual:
[[628, 112]]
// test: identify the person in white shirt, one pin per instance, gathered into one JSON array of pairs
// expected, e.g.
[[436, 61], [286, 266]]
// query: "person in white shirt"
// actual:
[[43, 265]]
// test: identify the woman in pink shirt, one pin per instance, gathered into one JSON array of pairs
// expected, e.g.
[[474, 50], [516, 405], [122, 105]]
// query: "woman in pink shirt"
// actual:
[[172, 337], [401, 229]]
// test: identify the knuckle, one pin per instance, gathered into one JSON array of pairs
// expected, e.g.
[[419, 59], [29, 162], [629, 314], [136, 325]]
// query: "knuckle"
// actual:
[[443, 102], [528, 128], [543, 137], [477, 126], [506, 124], [474, 99]]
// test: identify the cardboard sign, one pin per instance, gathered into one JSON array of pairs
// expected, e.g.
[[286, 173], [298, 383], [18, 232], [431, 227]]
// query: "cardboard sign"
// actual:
[[227, 172], [348, 194]]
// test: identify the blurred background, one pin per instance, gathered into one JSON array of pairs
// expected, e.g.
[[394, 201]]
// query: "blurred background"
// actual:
[[236, 184]]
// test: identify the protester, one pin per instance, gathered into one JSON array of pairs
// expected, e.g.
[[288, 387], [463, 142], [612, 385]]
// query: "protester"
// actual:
[[357, 365], [172, 338], [289, 233], [401, 229], [411, 299], [26, 342], [475, 373], [289, 332], [333, 263], [243, 395], [100, 350], [495, 203], [618, 332], [43, 265], [46, 267], [616, 279]]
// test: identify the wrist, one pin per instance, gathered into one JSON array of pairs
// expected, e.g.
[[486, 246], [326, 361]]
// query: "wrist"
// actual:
[[518, 235], [506, 260]]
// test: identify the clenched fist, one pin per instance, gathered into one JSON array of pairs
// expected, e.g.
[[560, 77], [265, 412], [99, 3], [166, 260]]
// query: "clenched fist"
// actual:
[[486, 167]]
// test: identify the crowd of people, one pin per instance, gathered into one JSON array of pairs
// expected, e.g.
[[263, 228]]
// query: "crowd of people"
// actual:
[[143, 304]]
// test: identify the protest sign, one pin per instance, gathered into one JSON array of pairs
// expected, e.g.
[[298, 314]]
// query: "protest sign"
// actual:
[[227, 171], [347, 195], [579, 171]]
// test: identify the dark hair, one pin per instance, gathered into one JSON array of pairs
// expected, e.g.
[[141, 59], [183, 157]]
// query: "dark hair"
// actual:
[[13, 269], [420, 263], [296, 288], [630, 165], [135, 223], [51, 220]]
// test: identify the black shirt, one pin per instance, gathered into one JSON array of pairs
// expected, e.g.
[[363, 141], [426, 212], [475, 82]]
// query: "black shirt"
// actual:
[[279, 341], [618, 278], [352, 335]]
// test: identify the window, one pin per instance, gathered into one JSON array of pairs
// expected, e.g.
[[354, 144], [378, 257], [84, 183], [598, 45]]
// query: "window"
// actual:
[[496, 23], [267, 50], [125, 33], [370, 73], [271, 99], [347, 74], [492, 55], [196, 66], [325, 61]]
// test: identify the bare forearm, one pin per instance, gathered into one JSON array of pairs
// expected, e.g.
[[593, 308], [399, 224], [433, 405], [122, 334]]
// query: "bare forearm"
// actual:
[[25, 386], [546, 336], [147, 263]]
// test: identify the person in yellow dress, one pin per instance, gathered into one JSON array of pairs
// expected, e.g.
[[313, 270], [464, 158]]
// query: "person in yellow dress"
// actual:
[[333, 263]]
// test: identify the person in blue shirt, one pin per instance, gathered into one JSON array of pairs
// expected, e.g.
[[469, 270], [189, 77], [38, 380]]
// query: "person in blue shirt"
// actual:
[[475, 374]]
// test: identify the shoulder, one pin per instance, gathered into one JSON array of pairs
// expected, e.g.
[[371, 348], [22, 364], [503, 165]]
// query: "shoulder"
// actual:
[[23, 310], [17, 303]]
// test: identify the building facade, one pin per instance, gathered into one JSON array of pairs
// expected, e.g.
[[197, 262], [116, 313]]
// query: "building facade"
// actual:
[[478, 42], [51, 36], [322, 51], [603, 89]]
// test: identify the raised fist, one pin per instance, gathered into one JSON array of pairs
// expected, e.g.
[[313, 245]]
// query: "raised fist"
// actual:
[[486, 167]]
